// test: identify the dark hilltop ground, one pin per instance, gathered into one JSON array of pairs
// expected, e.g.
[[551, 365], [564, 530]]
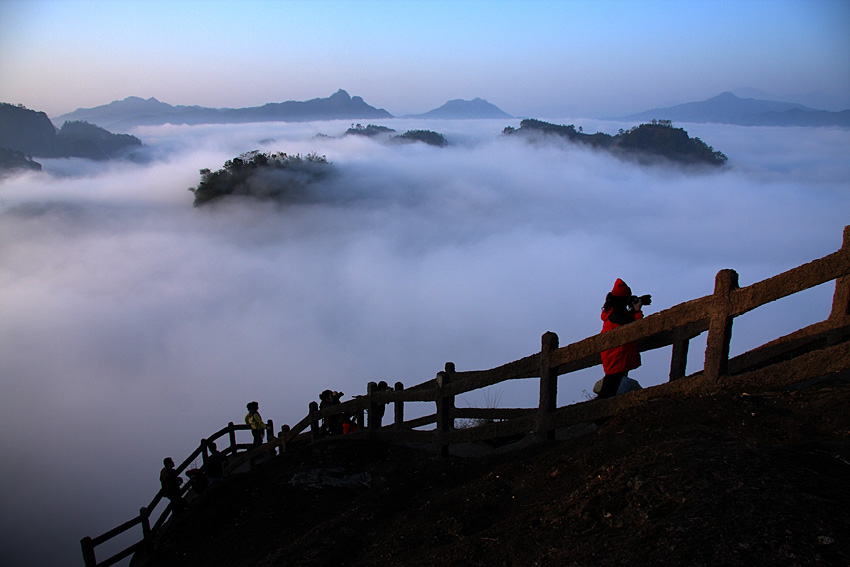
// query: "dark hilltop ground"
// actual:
[[714, 480]]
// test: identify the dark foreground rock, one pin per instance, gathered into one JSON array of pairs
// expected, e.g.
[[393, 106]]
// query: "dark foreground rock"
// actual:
[[725, 479]]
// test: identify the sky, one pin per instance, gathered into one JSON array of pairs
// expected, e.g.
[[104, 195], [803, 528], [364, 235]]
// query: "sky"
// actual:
[[132, 324], [599, 58]]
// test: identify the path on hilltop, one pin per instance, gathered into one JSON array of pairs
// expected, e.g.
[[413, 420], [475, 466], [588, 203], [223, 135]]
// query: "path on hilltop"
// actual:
[[722, 479]]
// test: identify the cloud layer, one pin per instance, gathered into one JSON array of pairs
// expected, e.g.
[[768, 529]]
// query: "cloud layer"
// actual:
[[134, 325]]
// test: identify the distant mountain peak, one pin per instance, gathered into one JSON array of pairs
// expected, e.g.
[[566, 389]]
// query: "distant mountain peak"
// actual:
[[729, 108], [459, 109]]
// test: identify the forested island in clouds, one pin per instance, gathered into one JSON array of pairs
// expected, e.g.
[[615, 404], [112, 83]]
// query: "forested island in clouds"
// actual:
[[383, 132], [291, 179], [658, 139], [25, 133]]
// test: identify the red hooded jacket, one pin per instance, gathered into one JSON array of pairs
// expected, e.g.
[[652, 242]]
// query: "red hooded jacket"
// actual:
[[626, 357]]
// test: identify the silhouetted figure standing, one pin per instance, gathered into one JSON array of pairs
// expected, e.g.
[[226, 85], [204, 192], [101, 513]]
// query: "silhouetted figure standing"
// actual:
[[215, 463], [331, 425], [171, 481], [258, 428], [621, 308]]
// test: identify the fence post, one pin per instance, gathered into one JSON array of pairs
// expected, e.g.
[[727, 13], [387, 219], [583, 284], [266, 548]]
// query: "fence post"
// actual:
[[548, 385], [283, 438], [88, 552], [371, 388], [232, 434], [679, 358], [841, 297], [146, 529], [398, 406], [205, 450], [270, 436], [445, 404], [315, 433], [720, 326]]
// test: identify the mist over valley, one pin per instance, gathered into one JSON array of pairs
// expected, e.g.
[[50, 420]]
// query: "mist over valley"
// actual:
[[136, 324]]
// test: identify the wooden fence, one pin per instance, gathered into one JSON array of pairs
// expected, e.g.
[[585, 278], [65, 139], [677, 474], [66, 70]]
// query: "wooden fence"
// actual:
[[817, 350], [235, 461]]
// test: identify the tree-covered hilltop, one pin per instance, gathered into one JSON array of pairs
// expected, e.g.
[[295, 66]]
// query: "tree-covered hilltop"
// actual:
[[424, 136], [81, 139], [277, 176], [658, 138], [373, 130], [370, 130]]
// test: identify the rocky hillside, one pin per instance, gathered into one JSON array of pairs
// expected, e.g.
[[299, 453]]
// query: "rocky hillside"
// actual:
[[726, 479], [26, 131], [32, 133]]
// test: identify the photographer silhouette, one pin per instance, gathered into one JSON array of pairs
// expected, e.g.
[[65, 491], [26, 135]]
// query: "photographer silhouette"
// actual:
[[620, 308]]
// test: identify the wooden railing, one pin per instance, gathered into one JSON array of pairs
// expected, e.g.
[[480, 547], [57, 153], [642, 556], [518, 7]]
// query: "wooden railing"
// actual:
[[814, 351], [236, 460]]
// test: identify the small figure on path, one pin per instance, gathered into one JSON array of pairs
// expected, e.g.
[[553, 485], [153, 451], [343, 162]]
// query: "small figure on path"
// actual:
[[331, 425], [214, 466], [171, 482], [258, 428]]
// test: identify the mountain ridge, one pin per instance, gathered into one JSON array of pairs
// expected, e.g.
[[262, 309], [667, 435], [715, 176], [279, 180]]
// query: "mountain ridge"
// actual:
[[464, 109], [32, 133], [728, 108], [135, 111]]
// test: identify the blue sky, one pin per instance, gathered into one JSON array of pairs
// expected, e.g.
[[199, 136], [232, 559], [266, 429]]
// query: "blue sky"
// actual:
[[580, 58]]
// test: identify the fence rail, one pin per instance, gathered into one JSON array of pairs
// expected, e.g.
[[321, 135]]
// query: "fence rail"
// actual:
[[816, 350]]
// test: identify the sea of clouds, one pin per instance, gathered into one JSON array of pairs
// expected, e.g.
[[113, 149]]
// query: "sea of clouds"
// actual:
[[132, 324]]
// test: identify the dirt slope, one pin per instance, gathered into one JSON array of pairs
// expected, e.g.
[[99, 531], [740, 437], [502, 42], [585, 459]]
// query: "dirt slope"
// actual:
[[715, 480]]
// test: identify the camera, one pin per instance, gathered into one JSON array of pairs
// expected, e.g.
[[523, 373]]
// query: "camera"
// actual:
[[644, 299]]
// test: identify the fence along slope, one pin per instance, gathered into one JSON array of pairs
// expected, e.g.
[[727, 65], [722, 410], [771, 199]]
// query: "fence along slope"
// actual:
[[237, 460], [817, 350]]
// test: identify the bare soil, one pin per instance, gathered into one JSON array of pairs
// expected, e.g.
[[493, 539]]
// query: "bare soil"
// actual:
[[714, 480]]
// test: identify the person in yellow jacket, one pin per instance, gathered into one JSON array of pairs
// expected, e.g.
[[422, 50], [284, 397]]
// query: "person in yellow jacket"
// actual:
[[258, 428]]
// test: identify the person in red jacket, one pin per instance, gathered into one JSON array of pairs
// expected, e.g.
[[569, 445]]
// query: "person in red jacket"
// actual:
[[620, 308]]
